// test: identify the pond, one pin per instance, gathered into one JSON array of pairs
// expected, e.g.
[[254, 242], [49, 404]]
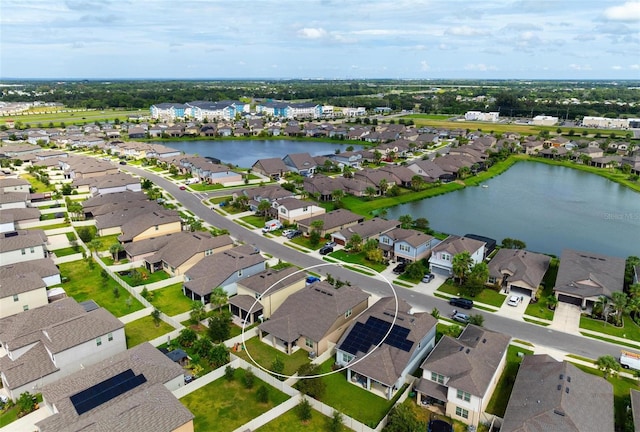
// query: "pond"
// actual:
[[244, 153], [548, 207]]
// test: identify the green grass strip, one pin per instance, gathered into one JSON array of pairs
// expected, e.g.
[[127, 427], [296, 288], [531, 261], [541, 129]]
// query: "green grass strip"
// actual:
[[534, 321]]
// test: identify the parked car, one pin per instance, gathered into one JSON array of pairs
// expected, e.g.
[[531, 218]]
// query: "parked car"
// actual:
[[630, 359], [325, 250], [514, 300], [331, 243], [123, 162], [285, 233], [294, 234], [183, 187], [461, 317], [428, 277], [188, 378], [400, 268], [461, 302], [272, 225], [311, 279]]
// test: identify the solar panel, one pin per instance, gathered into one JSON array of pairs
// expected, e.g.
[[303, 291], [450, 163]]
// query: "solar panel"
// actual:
[[104, 391], [365, 335]]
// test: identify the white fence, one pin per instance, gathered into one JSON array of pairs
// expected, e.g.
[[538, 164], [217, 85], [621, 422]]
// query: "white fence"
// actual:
[[42, 224], [136, 315], [67, 258]]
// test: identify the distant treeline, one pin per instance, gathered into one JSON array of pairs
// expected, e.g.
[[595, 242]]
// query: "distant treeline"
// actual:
[[571, 100]]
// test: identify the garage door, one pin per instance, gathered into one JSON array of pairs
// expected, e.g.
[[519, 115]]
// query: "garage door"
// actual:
[[569, 299], [514, 289]]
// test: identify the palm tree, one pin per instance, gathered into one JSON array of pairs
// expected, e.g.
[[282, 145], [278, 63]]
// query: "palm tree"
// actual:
[[383, 186], [337, 195], [620, 302], [370, 191], [263, 208], [405, 221], [461, 265]]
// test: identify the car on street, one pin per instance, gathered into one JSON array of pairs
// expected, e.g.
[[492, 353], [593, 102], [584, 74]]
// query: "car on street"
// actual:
[[183, 188], [428, 278], [514, 300], [461, 302], [400, 268], [461, 317], [325, 250], [123, 162]]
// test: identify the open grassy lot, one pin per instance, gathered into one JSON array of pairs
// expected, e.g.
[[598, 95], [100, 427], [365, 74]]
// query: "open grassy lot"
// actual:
[[290, 422], [357, 258], [143, 330], [487, 296], [171, 300], [498, 403], [226, 405], [108, 240], [264, 355], [218, 200], [85, 283], [630, 330], [77, 117]]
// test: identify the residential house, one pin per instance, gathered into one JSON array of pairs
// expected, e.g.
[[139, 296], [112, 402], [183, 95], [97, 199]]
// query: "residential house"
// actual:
[[441, 260], [103, 204], [222, 270], [128, 391], [313, 318], [331, 222], [21, 292], [558, 396], [532, 146], [182, 250], [109, 184], [384, 345], [427, 169], [348, 158], [49, 342], [45, 268], [17, 218], [406, 245], [584, 277], [149, 225], [300, 163], [461, 374], [518, 270], [260, 295], [290, 210], [11, 200], [367, 230], [400, 175], [270, 167], [22, 245], [322, 187], [14, 185]]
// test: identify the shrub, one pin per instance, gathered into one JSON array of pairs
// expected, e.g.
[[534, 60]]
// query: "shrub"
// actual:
[[304, 410], [249, 378], [262, 395], [229, 373]]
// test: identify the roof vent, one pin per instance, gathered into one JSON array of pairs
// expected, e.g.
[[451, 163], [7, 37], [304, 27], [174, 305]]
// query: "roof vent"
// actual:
[[561, 376], [559, 386], [484, 340], [566, 390], [467, 351], [568, 379], [557, 411]]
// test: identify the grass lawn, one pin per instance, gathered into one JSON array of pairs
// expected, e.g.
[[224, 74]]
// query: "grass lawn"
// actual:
[[80, 116], [202, 187], [237, 330], [171, 300], [36, 184], [265, 354], [357, 258], [109, 261], [108, 240], [85, 283], [156, 169], [540, 309], [498, 403], [10, 415], [305, 243], [256, 221], [353, 400], [487, 296], [147, 277], [290, 422], [218, 200], [143, 330], [630, 330], [67, 251], [224, 406], [52, 227]]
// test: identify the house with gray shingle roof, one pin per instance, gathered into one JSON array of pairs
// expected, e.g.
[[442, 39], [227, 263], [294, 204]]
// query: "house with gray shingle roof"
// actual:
[[301, 163], [16, 218], [461, 374], [517, 269], [109, 219], [584, 277], [21, 292], [222, 270], [290, 210], [10, 200], [14, 185], [427, 169], [270, 167], [22, 245], [442, 255], [367, 230], [54, 340], [407, 245], [44, 267], [149, 406], [381, 364], [103, 204], [152, 224], [313, 318], [549, 395], [332, 221]]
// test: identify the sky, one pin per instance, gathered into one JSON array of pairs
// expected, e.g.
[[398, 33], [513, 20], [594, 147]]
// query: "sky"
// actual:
[[327, 39]]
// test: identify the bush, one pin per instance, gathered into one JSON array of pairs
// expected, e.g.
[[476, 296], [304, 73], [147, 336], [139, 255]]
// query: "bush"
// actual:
[[262, 395], [229, 373], [249, 379], [304, 410]]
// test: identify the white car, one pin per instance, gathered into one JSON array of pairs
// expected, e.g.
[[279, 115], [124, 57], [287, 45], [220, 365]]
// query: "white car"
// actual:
[[514, 300]]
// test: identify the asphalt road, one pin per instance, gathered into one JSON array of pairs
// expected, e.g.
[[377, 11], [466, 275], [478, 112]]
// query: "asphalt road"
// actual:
[[537, 335]]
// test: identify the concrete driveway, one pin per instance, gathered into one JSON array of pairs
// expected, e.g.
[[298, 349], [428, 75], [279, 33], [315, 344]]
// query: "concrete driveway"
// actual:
[[566, 318]]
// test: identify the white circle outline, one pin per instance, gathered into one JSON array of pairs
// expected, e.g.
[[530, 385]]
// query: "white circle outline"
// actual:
[[368, 269]]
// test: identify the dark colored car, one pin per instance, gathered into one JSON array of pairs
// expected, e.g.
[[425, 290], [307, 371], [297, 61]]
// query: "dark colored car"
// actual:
[[325, 250], [400, 268], [294, 234], [461, 302], [123, 162]]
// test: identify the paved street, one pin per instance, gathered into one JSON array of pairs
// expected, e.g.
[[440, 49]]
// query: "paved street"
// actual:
[[420, 300]]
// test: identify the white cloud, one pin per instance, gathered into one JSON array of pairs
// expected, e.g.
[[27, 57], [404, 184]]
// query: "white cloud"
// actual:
[[481, 67], [465, 31], [629, 11], [578, 67], [634, 66], [424, 66], [312, 33], [616, 67]]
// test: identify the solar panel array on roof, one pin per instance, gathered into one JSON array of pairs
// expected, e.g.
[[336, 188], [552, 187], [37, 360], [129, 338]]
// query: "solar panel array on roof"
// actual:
[[104, 391], [365, 335]]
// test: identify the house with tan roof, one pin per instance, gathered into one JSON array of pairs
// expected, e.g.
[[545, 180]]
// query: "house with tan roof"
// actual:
[[11, 200], [381, 348], [103, 204], [110, 183], [406, 245], [557, 396], [22, 245], [313, 318], [149, 225], [461, 374], [224, 270], [260, 295], [52, 341], [427, 169], [109, 219], [128, 391], [441, 260], [17, 218], [584, 277], [518, 270], [300, 163], [45, 268]]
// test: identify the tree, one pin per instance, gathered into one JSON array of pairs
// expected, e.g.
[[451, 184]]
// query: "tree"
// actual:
[[304, 410], [263, 208], [370, 191], [509, 243], [435, 313], [278, 365], [229, 373], [403, 419], [377, 156], [461, 265], [406, 221], [619, 302], [26, 403], [146, 184], [201, 347], [85, 233], [197, 313], [608, 365], [417, 183], [314, 238], [337, 195], [248, 379], [187, 337], [314, 387], [415, 270], [476, 319], [218, 355], [66, 189], [156, 317], [115, 250], [262, 394], [336, 422], [218, 298], [478, 275], [219, 327], [355, 243], [421, 223], [383, 186], [394, 191]]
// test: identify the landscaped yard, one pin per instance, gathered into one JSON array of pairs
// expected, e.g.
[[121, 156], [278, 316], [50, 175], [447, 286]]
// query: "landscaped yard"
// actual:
[[147, 278], [67, 251], [256, 221], [107, 241], [143, 330], [85, 283], [218, 200], [498, 403], [226, 405], [290, 422], [171, 300], [541, 309], [630, 330], [487, 296], [36, 184], [9, 415], [305, 243], [264, 355], [201, 187], [357, 258]]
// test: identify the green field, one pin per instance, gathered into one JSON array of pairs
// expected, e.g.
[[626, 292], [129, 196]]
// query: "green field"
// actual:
[[171, 300], [264, 355], [82, 116], [290, 422], [143, 330]]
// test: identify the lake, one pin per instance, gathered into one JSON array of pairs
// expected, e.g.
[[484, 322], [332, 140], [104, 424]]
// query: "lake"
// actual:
[[244, 153], [548, 207]]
